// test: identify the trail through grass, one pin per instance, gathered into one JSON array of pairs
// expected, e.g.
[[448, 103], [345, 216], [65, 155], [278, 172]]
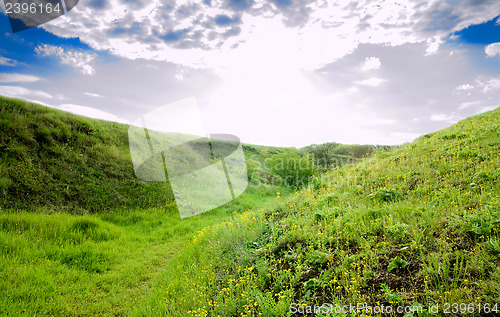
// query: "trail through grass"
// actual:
[[416, 227], [56, 264]]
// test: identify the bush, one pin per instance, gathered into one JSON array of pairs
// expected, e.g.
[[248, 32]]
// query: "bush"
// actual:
[[295, 170]]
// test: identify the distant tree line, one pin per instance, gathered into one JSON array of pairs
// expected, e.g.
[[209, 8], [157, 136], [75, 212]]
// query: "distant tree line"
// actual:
[[328, 155], [294, 167]]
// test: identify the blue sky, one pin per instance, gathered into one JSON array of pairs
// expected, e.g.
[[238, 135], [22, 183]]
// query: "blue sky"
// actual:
[[474, 39], [271, 72], [480, 34], [21, 47]]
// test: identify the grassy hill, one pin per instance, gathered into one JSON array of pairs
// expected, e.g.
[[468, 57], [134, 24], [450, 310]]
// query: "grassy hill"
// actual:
[[56, 160], [417, 226], [80, 235]]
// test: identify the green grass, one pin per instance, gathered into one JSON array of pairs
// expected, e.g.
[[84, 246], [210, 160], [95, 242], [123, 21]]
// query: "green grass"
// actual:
[[416, 226], [57, 160], [103, 264], [80, 234]]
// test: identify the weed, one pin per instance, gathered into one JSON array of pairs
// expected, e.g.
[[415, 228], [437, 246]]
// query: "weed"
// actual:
[[396, 264]]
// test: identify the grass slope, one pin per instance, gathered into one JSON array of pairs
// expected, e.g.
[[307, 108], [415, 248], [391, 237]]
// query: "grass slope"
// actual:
[[103, 263], [416, 226], [56, 160]]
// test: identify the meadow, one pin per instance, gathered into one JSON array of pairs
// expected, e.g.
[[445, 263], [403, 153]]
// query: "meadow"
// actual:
[[103, 264], [414, 227], [410, 226]]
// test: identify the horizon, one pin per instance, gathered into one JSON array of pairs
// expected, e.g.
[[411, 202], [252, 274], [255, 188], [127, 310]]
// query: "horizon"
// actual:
[[275, 73], [96, 117]]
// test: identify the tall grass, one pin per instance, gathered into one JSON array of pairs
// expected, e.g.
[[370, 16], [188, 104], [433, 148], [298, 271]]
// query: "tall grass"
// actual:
[[57, 160], [418, 226], [103, 264]]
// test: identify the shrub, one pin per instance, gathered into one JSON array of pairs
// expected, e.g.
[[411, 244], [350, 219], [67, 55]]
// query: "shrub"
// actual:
[[295, 170]]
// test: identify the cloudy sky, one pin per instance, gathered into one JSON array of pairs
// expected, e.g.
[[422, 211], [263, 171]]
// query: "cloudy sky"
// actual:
[[274, 72]]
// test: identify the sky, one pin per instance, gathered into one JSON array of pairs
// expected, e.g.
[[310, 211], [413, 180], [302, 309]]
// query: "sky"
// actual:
[[272, 72]]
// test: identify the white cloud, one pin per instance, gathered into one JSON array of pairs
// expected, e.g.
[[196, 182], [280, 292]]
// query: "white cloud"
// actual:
[[492, 49], [4, 61], [371, 63], [91, 112], [314, 34], [21, 92], [298, 108], [372, 82], [92, 95], [433, 45], [295, 71], [443, 117], [18, 78], [488, 84], [83, 61], [488, 108], [468, 104], [465, 87]]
